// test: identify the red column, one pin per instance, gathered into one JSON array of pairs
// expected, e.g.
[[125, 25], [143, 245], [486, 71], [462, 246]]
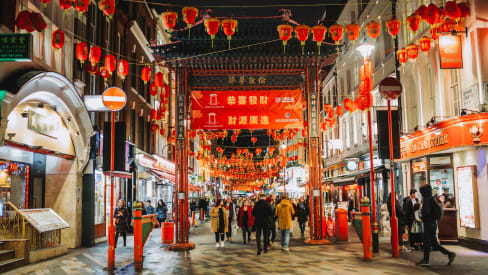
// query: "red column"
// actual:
[[111, 227], [315, 179], [393, 219], [138, 245], [366, 219]]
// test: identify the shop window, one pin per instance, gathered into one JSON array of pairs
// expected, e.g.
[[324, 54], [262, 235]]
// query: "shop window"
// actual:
[[14, 181], [441, 178]]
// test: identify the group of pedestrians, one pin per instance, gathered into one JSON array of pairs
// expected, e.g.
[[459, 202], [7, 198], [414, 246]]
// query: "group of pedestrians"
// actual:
[[419, 219], [259, 215]]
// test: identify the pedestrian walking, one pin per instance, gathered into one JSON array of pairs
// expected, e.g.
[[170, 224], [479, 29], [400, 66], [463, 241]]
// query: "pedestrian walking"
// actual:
[[219, 222], [417, 227], [262, 212], [302, 213], [284, 212], [431, 212], [253, 228], [272, 220], [245, 220], [121, 215], [161, 211], [149, 208], [231, 212], [408, 206]]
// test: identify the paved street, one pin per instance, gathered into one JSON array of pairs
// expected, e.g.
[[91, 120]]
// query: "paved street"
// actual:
[[235, 258]]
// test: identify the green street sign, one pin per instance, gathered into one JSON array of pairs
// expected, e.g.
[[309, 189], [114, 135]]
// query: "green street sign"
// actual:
[[2, 95], [15, 47]]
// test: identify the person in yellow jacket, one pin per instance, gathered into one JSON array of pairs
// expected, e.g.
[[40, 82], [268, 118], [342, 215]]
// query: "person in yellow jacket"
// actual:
[[220, 222], [284, 211]]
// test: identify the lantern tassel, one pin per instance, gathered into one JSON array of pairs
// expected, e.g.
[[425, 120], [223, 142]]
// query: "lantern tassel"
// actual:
[[212, 43], [284, 49], [229, 43], [319, 48]]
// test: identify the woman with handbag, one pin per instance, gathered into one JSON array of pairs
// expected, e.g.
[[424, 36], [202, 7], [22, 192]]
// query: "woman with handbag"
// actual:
[[161, 211], [121, 215], [219, 222]]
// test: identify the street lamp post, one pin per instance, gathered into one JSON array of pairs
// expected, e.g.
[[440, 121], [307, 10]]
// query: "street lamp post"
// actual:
[[283, 147], [366, 49], [390, 89]]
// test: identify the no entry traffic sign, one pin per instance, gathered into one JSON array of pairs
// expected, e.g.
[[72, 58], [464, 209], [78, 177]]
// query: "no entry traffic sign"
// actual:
[[390, 88], [114, 98]]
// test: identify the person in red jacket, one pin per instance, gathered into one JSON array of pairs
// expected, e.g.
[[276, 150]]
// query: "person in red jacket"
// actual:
[[245, 220]]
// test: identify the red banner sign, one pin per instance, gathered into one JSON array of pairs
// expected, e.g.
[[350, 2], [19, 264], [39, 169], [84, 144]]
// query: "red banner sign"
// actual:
[[451, 52], [265, 109]]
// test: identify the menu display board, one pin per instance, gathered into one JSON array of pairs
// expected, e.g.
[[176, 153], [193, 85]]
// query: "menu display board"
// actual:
[[44, 219], [468, 196]]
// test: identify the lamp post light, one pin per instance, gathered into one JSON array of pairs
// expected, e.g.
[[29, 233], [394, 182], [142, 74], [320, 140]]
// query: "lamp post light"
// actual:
[[283, 148], [366, 49]]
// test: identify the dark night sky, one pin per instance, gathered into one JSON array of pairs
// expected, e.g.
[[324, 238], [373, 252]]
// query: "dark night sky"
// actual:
[[308, 15]]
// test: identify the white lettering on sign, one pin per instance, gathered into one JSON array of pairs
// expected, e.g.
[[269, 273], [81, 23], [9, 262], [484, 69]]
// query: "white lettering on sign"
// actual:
[[114, 98]]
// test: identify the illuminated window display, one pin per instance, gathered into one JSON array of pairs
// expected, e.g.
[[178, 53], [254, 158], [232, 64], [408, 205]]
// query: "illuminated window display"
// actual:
[[14, 183]]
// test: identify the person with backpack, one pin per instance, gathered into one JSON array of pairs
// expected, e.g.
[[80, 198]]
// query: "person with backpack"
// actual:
[[432, 211]]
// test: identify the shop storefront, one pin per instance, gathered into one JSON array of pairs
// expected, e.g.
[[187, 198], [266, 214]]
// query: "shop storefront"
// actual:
[[44, 146], [451, 157]]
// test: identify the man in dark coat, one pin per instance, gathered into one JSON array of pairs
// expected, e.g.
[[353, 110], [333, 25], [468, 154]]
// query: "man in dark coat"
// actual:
[[430, 227], [408, 204], [302, 213], [401, 218], [231, 210], [262, 213]]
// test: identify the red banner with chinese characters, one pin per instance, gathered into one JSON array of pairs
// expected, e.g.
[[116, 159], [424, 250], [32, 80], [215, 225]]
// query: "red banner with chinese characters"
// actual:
[[264, 109]]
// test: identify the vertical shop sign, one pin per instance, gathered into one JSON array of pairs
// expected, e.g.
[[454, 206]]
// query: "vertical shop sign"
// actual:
[[15, 47], [450, 52], [313, 119], [180, 116]]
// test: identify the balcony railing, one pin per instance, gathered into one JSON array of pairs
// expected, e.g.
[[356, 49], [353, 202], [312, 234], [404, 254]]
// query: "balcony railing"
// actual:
[[14, 225]]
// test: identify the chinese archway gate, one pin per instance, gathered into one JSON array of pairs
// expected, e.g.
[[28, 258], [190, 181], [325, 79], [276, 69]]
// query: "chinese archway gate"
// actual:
[[251, 70]]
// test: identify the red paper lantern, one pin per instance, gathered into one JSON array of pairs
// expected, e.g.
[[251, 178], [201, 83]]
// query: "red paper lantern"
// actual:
[[123, 69], [348, 105], [442, 13], [154, 114], [327, 108], [104, 72], [373, 28], [82, 6], [65, 4], [146, 74], [365, 86], [229, 27], [110, 63], [413, 22], [38, 23], [447, 25], [336, 33], [95, 54], [23, 19], [425, 43], [433, 15], [331, 112], [422, 11], [463, 7], [453, 10], [212, 27], [189, 15], [339, 110], [58, 39], [45, 2], [154, 127], [284, 31], [318, 34], [233, 138], [434, 32], [107, 7], [413, 51], [353, 32], [170, 18], [402, 56], [366, 70], [159, 79], [254, 139], [393, 26], [81, 52], [162, 132], [301, 33]]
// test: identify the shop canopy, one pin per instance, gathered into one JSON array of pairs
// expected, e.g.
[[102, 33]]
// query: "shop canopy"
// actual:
[[193, 188], [163, 175], [344, 181]]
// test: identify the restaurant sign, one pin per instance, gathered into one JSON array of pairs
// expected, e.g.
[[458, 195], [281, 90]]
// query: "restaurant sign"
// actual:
[[448, 134], [270, 109], [15, 47], [450, 52], [245, 80]]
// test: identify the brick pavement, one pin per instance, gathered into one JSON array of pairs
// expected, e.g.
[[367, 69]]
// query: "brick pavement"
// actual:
[[235, 258]]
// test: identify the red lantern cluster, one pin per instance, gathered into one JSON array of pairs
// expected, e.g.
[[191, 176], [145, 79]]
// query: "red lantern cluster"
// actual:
[[30, 21]]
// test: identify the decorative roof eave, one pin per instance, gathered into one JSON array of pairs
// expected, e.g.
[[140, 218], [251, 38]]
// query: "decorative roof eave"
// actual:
[[248, 63]]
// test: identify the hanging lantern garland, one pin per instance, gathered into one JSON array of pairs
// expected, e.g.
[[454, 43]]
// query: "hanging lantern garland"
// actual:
[[393, 26], [65, 4], [425, 44], [230, 27], [373, 28], [81, 52], [81, 6], [212, 27], [146, 74], [318, 33], [123, 69], [189, 16], [402, 56], [413, 22], [110, 63], [169, 20], [336, 33], [107, 7], [94, 56]]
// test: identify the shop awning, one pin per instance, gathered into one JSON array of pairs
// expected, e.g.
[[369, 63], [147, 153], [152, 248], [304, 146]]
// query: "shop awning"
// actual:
[[163, 175], [193, 188], [344, 181], [119, 174]]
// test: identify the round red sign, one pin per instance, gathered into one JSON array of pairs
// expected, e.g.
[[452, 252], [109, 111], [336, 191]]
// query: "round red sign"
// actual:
[[114, 98], [390, 88]]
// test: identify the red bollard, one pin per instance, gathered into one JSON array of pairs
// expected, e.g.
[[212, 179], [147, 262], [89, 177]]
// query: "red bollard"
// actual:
[[167, 232], [367, 238], [201, 214], [193, 218], [341, 225], [138, 243]]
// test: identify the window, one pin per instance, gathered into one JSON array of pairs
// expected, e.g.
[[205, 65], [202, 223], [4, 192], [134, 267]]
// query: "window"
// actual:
[[140, 132], [455, 92]]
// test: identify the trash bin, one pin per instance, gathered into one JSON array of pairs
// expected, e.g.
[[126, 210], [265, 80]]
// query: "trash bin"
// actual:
[[341, 225], [167, 232]]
